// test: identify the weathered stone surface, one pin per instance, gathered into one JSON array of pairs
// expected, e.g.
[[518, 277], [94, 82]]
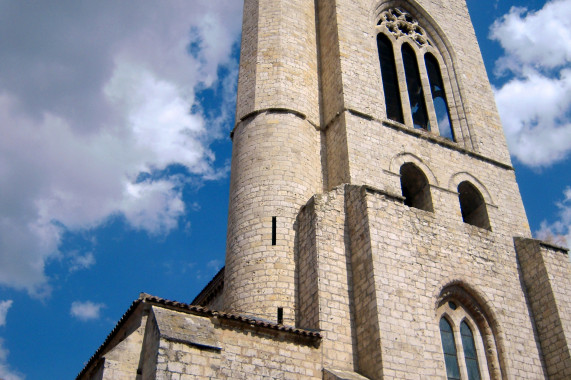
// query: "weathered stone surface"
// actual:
[[314, 149]]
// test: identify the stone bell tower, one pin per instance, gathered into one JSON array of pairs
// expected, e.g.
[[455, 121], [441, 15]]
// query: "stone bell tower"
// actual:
[[373, 197], [375, 226]]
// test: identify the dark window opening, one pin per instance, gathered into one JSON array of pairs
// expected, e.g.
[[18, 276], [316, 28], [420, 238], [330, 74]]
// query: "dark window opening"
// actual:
[[415, 187], [390, 79], [469, 352], [449, 348], [280, 315], [274, 227], [473, 206], [439, 97], [415, 92]]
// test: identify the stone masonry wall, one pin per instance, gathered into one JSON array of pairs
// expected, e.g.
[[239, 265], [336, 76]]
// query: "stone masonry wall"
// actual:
[[325, 289], [359, 71], [122, 360], [377, 152], [415, 255], [367, 313], [547, 277], [307, 312], [278, 60], [276, 169], [219, 351]]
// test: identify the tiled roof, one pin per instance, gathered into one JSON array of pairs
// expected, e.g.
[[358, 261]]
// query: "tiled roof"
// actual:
[[199, 310], [196, 310]]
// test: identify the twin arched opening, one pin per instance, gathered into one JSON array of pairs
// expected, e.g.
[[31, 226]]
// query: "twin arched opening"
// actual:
[[416, 192], [468, 334]]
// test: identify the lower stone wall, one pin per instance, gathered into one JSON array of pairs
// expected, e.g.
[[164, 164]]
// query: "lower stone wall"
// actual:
[[403, 259], [367, 314], [547, 277], [218, 349]]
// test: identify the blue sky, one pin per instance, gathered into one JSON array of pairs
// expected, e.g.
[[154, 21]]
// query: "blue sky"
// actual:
[[110, 186]]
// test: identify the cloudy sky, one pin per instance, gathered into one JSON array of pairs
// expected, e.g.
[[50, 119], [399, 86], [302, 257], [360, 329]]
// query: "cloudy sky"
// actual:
[[114, 155]]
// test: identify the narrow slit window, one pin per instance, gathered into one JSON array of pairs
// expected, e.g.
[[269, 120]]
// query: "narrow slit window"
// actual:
[[415, 92], [449, 348], [469, 351], [390, 80], [439, 97], [274, 227]]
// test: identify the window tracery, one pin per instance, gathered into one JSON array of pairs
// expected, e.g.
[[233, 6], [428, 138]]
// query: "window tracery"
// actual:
[[415, 91], [400, 23]]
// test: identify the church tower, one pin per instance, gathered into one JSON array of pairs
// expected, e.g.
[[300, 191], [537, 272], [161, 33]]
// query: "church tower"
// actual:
[[375, 226], [373, 197]]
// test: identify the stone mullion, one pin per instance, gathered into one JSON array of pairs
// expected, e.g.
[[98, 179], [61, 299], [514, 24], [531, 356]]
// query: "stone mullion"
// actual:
[[433, 119], [403, 87]]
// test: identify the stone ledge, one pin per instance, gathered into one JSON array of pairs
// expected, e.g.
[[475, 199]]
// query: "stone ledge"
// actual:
[[335, 374]]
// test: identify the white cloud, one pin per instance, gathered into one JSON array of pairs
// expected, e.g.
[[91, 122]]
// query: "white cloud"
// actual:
[[6, 373], [535, 104], [535, 115], [86, 311], [92, 97], [537, 39], [4, 307], [559, 232], [153, 206], [79, 262]]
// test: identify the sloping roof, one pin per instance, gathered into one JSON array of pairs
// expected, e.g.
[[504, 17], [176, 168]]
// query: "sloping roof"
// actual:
[[211, 290], [246, 321]]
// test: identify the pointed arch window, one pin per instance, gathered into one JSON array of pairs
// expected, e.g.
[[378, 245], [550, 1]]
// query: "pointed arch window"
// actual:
[[449, 349], [470, 354], [414, 86], [438, 96], [469, 350], [390, 80], [403, 77]]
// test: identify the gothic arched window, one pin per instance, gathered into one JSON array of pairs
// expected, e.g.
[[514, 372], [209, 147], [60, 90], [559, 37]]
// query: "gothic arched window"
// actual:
[[414, 86], [398, 30], [390, 79], [438, 96], [470, 354], [473, 206], [463, 345], [449, 349]]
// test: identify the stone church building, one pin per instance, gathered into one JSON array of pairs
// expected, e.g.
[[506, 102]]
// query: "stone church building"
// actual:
[[375, 226]]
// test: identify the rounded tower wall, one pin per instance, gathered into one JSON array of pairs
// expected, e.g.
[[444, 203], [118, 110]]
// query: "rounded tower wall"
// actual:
[[276, 164], [275, 170], [278, 62]]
